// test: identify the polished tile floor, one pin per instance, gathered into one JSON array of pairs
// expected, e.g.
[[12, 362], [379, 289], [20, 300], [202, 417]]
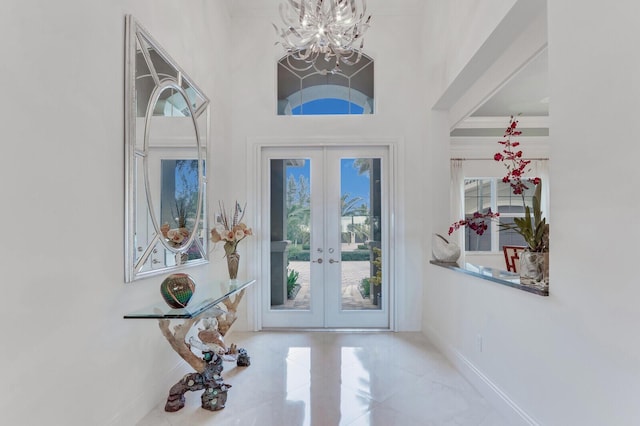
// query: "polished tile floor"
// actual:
[[338, 378]]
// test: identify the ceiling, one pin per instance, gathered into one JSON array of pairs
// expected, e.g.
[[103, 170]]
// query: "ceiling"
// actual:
[[527, 93], [375, 7]]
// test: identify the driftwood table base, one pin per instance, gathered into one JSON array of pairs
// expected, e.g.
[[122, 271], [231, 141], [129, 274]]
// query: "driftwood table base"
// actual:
[[208, 368], [215, 390]]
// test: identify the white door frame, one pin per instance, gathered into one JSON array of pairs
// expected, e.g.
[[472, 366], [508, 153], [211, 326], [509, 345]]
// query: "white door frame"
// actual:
[[254, 150]]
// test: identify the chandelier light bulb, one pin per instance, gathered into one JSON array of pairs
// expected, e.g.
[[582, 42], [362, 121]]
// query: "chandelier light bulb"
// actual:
[[331, 30]]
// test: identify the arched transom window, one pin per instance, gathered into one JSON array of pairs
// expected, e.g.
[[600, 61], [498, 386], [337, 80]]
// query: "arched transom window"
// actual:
[[304, 90]]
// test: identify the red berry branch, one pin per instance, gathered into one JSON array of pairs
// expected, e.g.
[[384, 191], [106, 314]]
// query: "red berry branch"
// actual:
[[516, 165], [476, 223]]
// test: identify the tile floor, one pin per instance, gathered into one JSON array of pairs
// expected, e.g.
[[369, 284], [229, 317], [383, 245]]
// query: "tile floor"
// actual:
[[338, 378]]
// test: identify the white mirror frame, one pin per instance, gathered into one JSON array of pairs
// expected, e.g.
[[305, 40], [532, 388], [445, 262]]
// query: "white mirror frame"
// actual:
[[137, 257]]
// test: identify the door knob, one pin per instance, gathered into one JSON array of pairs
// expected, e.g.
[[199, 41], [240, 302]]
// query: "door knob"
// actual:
[[317, 261], [333, 261]]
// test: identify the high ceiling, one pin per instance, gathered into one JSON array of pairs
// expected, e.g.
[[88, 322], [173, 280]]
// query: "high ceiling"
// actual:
[[375, 7], [527, 93]]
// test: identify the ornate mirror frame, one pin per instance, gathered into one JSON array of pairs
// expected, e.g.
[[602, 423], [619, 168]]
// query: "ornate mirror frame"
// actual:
[[166, 133]]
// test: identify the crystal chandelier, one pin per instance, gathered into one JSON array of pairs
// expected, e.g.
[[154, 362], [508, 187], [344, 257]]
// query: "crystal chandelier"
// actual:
[[317, 31]]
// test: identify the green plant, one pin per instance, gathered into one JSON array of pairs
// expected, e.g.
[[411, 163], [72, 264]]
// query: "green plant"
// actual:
[[377, 262], [534, 230], [292, 280], [355, 255], [365, 286], [298, 254]]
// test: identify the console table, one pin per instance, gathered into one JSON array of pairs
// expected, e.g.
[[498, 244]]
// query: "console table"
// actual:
[[215, 323]]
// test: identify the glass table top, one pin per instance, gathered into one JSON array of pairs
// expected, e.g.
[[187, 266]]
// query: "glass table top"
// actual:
[[205, 297]]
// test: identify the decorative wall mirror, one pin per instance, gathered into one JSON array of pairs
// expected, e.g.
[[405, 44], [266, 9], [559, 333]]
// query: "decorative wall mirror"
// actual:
[[167, 128]]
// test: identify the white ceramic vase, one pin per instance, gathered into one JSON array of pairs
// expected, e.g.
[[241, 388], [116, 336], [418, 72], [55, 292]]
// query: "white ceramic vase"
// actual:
[[443, 250]]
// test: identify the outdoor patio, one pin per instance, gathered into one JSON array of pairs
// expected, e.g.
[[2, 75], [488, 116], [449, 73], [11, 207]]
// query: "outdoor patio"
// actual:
[[352, 274]]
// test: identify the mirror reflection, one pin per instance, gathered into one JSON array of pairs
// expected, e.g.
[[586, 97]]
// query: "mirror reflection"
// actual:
[[167, 130]]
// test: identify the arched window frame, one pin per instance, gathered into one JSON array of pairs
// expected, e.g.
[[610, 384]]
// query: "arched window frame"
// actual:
[[298, 86]]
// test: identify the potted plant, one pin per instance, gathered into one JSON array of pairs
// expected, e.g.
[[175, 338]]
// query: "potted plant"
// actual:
[[534, 261], [534, 230]]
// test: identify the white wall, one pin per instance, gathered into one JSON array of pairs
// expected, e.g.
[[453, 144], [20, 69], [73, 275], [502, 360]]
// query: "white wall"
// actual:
[[68, 357], [469, 24], [571, 358], [398, 103]]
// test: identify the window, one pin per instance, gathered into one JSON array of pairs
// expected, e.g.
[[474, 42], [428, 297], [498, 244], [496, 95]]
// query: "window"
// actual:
[[482, 194], [305, 90], [327, 106]]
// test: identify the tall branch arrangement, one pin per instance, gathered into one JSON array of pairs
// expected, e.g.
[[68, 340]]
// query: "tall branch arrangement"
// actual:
[[230, 228], [533, 229]]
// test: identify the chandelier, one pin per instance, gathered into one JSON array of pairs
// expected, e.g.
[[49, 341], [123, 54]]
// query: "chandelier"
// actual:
[[323, 33]]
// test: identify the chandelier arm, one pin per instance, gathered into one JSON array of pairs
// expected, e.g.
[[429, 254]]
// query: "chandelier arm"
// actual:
[[293, 67], [347, 59], [302, 10], [332, 9], [305, 55], [319, 8], [297, 42], [353, 7], [364, 8], [324, 71], [282, 8]]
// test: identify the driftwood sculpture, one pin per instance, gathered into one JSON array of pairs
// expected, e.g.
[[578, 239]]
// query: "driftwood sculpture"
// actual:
[[226, 320], [215, 390], [208, 367]]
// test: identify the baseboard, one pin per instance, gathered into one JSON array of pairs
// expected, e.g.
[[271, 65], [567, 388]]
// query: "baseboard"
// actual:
[[145, 402], [496, 396]]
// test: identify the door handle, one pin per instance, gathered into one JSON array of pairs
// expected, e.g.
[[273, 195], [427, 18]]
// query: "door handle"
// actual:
[[333, 261], [317, 261]]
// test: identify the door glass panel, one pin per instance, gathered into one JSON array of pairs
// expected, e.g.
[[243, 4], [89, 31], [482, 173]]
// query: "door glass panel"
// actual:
[[290, 234], [360, 234]]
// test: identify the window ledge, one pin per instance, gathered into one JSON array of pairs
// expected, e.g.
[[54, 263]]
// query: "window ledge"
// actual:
[[492, 274]]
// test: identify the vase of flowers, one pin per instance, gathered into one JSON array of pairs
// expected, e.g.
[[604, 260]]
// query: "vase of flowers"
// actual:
[[533, 227], [534, 260], [231, 230]]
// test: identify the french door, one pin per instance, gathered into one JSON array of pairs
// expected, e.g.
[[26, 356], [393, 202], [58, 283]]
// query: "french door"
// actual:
[[327, 256]]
